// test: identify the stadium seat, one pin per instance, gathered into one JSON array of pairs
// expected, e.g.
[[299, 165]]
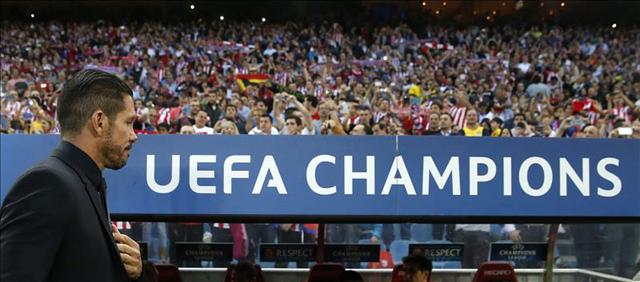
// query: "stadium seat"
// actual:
[[168, 273], [398, 273], [228, 277], [495, 271], [325, 272], [399, 249], [421, 232]]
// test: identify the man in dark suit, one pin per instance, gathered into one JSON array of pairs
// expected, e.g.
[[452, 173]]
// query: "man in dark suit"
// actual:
[[54, 222]]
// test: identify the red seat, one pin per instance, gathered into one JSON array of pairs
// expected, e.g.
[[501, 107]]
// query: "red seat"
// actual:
[[398, 273], [326, 272], [168, 273], [495, 271], [228, 277]]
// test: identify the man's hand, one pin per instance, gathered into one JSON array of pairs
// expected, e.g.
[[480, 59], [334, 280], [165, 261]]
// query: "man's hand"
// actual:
[[129, 253]]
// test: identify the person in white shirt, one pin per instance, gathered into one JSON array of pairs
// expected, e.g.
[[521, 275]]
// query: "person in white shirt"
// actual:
[[293, 126], [201, 124], [265, 126]]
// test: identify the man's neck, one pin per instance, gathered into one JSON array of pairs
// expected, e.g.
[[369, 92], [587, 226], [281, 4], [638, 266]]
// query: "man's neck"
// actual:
[[89, 149]]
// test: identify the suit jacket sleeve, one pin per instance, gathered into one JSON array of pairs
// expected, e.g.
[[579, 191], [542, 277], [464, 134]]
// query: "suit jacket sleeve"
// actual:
[[33, 223]]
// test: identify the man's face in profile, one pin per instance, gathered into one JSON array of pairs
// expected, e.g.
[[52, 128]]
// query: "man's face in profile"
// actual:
[[120, 137]]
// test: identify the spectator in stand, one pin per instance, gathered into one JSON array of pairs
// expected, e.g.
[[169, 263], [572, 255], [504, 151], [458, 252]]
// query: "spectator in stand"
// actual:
[[265, 126], [187, 130], [200, 127], [472, 127], [294, 125], [568, 82], [446, 125], [434, 125]]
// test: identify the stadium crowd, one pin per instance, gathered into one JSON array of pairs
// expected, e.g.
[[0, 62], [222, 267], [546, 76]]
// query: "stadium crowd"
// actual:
[[258, 78], [326, 79]]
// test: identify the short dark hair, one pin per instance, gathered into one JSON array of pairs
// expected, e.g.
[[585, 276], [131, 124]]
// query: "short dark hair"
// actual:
[[420, 262], [296, 118], [267, 116], [350, 276], [244, 271], [231, 106], [448, 114], [87, 92], [312, 99]]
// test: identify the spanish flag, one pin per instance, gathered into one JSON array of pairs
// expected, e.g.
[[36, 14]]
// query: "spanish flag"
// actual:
[[245, 79]]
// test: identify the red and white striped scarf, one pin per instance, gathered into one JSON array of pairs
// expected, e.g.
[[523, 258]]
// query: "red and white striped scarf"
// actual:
[[164, 116], [160, 74], [593, 117], [459, 115], [622, 113], [282, 78], [318, 91], [242, 71]]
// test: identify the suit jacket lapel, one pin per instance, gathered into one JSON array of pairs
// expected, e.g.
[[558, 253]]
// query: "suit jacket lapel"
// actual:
[[92, 192]]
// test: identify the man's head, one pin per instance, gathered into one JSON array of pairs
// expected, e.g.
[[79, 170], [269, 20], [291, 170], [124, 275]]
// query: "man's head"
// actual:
[[293, 124], [365, 115], [96, 109], [244, 272], [379, 129], [434, 122], [310, 102], [230, 112], [194, 107], [325, 109], [590, 131], [384, 105], [163, 128], [518, 118], [496, 123], [417, 268], [201, 119], [472, 117], [265, 123], [446, 121], [261, 105], [186, 130]]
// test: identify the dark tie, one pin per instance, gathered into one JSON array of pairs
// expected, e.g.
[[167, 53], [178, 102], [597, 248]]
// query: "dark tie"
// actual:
[[103, 196]]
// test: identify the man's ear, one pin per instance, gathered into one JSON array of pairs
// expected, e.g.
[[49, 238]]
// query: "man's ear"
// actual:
[[98, 123]]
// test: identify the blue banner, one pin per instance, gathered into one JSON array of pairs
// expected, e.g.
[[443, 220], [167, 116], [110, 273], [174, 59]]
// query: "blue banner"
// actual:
[[354, 177]]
